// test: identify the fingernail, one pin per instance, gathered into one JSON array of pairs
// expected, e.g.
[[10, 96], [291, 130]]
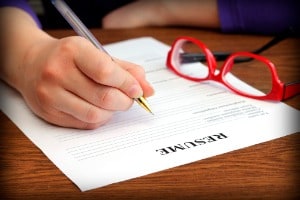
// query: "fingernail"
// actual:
[[150, 86], [135, 91]]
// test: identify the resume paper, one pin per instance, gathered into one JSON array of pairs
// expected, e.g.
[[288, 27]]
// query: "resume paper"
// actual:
[[191, 121]]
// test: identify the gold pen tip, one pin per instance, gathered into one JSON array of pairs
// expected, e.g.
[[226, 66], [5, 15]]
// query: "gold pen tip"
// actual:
[[143, 103]]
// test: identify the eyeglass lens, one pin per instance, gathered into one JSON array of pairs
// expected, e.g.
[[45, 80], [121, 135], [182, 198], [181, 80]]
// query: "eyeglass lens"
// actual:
[[187, 61], [261, 79], [190, 60]]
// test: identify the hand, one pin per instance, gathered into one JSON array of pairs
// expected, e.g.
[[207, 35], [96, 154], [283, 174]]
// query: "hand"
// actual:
[[69, 82]]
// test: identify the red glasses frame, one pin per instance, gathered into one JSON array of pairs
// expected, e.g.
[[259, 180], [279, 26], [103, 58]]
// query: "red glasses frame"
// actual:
[[279, 91]]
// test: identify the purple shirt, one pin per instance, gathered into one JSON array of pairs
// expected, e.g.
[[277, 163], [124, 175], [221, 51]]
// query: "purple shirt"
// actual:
[[22, 4], [259, 16], [236, 16]]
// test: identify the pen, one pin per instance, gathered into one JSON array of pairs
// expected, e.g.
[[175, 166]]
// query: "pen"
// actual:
[[83, 31]]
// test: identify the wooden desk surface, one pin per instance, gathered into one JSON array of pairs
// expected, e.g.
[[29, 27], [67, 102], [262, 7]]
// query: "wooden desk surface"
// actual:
[[265, 171]]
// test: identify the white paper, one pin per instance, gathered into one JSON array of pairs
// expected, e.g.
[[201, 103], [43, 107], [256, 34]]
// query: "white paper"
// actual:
[[191, 121]]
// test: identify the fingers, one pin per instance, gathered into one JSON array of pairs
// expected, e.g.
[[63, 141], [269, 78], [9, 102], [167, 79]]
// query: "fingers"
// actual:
[[73, 84], [80, 109], [103, 70], [108, 98], [65, 120], [139, 73], [66, 109]]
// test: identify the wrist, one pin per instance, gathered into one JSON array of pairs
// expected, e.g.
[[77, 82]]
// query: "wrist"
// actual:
[[19, 33]]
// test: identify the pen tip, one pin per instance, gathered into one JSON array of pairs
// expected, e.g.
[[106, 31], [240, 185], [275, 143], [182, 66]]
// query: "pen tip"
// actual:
[[142, 102]]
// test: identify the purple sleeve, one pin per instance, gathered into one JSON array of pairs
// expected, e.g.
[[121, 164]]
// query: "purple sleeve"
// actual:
[[259, 16], [22, 4]]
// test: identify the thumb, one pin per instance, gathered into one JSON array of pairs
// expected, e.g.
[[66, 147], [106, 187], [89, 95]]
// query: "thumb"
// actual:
[[102, 69]]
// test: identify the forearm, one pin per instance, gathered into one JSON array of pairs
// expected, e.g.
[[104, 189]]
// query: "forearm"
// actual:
[[23, 5], [19, 32], [199, 13]]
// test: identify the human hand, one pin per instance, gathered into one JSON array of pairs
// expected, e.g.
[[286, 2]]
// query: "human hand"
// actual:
[[69, 82]]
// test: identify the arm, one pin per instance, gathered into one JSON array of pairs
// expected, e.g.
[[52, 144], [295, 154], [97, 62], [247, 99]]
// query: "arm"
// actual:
[[200, 13], [23, 5], [236, 16], [67, 82]]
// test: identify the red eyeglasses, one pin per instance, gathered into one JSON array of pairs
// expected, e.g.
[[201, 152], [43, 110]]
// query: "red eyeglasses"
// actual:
[[184, 60]]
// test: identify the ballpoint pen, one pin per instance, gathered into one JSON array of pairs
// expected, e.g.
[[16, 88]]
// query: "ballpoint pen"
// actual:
[[83, 31]]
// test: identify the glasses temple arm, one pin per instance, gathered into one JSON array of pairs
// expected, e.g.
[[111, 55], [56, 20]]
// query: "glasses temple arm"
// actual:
[[291, 89], [271, 43], [221, 56], [200, 57]]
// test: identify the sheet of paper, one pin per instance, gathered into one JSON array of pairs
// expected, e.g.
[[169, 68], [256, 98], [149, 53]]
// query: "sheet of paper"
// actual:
[[191, 121]]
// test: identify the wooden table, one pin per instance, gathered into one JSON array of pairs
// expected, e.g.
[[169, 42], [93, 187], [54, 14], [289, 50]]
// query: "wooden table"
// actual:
[[265, 171]]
